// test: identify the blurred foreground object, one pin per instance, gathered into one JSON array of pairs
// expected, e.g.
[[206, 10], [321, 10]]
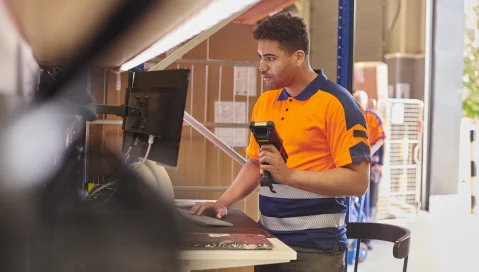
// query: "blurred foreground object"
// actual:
[[52, 27], [135, 230], [47, 224]]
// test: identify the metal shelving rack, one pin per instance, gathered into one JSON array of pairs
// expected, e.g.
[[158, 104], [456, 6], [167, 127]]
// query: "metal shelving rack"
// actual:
[[344, 77]]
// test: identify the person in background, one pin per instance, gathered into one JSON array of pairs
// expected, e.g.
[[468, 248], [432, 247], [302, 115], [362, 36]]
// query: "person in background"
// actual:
[[372, 105], [377, 137]]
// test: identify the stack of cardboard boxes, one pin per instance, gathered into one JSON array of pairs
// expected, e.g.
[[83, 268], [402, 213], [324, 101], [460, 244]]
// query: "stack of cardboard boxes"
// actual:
[[372, 77]]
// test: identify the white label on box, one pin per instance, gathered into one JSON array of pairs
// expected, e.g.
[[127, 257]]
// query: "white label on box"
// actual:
[[233, 113], [234, 137], [397, 113], [230, 112], [382, 81], [218, 235], [402, 90], [118, 81], [245, 80]]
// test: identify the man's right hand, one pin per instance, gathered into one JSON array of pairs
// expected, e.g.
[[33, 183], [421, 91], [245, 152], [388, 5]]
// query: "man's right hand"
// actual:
[[200, 208], [243, 185]]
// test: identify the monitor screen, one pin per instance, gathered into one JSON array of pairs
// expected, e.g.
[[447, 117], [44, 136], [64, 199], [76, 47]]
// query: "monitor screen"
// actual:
[[156, 103]]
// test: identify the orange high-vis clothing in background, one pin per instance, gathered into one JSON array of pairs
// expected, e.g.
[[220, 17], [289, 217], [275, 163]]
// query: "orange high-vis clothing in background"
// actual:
[[375, 127]]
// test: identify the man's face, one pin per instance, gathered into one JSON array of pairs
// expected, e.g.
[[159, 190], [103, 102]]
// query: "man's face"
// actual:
[[276, 65]]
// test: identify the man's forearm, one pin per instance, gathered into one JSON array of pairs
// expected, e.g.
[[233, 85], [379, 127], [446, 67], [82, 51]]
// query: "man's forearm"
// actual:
[[336, 182], [243, 185]]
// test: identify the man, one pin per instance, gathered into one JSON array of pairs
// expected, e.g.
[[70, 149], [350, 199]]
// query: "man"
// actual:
[[324, 133], [376, 138], [372, 105]]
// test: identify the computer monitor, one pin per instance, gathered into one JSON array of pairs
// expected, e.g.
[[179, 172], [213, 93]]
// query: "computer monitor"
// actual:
[[156, 103]]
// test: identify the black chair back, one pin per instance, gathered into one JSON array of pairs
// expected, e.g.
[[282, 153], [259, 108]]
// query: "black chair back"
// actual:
[[401, 237]]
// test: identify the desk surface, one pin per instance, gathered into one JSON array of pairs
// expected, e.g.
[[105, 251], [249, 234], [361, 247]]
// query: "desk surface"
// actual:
[[216, 259]]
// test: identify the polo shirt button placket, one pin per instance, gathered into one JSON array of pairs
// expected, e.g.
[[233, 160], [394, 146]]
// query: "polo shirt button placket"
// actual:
[[290, 100], [282, 118]]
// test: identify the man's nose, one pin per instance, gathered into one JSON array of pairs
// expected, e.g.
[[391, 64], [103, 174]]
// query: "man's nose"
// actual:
[[264, 68]]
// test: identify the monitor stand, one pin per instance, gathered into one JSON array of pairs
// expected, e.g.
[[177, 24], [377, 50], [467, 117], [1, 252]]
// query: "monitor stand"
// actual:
[[156, 177]]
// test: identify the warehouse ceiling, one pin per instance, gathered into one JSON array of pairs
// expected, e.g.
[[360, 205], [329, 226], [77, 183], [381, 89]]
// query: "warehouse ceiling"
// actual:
[[262, 10], [57, 29]]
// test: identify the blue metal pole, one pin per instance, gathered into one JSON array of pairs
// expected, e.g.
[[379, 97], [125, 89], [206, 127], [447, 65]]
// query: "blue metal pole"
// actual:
[[345, 51], [345, 62]]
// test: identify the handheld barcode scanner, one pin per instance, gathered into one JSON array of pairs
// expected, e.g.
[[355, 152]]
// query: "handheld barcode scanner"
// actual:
[[266, 133]]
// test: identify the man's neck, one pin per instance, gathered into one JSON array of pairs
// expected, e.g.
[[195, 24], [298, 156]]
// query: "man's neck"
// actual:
[[301, 82]]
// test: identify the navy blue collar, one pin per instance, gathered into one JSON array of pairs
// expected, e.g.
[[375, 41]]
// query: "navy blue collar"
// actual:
[[309, 91]]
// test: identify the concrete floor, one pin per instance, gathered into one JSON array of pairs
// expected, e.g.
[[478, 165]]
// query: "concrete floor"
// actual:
[[439, 243]]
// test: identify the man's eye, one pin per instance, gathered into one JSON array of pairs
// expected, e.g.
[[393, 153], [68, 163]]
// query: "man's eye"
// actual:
[[270, 58]]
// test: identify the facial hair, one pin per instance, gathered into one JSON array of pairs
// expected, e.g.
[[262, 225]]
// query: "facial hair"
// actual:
[[271, 84]]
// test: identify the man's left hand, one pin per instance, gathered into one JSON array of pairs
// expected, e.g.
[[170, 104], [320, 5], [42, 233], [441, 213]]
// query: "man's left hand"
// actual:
[[270, 160]]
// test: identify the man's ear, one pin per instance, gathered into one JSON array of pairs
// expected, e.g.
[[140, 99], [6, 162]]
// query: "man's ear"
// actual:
[[300, 57]]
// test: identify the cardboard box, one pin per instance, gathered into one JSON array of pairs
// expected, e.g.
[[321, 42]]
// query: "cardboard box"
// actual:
[[406, 75], [372, 77]]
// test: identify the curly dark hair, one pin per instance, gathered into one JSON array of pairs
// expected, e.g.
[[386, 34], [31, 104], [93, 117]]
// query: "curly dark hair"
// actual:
[[291, 32]]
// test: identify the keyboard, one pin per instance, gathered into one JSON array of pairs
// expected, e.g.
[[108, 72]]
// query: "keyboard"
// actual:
[[203, 220], [184, 204]]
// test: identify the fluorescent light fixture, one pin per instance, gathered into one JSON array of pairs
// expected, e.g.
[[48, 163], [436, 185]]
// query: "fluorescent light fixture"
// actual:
[[206, 18]]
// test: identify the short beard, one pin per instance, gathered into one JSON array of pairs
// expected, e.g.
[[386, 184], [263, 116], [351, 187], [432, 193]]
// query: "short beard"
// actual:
[[271, 86]]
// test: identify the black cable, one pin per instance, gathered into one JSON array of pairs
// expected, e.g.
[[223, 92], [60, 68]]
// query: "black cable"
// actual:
[[109, 180]]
